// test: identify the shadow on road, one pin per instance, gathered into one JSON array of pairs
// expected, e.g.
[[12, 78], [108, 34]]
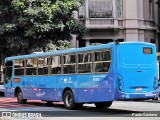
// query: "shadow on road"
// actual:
[[1, 94], [86, 111]]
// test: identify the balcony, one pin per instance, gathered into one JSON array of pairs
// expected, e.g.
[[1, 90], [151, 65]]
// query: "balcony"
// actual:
[[101, 23]]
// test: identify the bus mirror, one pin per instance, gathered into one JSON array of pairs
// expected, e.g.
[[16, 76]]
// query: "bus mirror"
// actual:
[[6, 78]]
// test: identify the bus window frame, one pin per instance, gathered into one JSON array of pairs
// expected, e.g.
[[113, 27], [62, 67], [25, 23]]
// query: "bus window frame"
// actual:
[[24, 60], [32, 67], [102, 50], [91, 61], [47, 65], [75, 63], [50, 65]]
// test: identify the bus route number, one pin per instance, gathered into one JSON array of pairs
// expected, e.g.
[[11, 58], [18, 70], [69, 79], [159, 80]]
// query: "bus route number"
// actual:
[[96, 79]]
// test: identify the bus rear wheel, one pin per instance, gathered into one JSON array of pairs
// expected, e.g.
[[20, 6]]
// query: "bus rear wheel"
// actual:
[[20, 97], [103, 104], [69, 102]]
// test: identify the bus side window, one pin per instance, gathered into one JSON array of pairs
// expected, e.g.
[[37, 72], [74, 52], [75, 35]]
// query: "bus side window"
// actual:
[[69, 64], [55, 65], [84, 63], [8, 71], [31, 66], [102, 61], [19, 67], [43, 66]]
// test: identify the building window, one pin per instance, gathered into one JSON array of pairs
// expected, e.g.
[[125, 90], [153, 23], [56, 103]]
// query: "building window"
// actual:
[[119, 8], [81, 12], [100, 9], [150, 9]]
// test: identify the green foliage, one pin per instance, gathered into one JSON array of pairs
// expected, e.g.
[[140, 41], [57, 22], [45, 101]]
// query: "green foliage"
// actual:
[[63, 44], [29, 25], [43, 48], [59, 45]]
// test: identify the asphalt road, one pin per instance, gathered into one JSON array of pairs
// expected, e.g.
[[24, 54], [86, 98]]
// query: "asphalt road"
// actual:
[[39, 110]]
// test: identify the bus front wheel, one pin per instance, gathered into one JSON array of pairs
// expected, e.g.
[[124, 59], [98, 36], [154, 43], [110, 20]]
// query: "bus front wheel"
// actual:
[[20, 97], [103, 104]]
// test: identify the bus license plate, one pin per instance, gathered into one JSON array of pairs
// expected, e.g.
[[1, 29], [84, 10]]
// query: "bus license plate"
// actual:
[[138, 89]]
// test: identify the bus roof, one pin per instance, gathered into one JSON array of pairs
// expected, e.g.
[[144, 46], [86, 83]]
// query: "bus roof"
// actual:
[[59, 52], [71, 50]]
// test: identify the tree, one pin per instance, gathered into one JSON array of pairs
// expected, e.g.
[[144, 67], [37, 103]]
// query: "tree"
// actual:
[[26, 25]]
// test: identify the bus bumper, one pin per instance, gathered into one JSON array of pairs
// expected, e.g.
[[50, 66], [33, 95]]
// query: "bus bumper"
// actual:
[[132, 96]]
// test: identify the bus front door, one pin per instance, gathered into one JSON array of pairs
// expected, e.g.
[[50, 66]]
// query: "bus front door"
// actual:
[[8, 79]]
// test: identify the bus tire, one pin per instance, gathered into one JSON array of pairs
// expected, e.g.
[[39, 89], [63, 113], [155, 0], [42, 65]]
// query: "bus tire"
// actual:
[[68, 99], [103, 104], [20, 97]]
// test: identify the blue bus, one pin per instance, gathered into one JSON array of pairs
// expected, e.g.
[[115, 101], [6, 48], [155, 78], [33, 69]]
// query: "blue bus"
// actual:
[[94, 74]]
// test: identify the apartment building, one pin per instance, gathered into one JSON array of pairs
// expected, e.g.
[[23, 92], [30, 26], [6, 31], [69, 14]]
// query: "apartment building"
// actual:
[[123, 20]]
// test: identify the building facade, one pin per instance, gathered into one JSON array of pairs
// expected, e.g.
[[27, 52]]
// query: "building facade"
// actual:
[[123, 20], [158, 17]]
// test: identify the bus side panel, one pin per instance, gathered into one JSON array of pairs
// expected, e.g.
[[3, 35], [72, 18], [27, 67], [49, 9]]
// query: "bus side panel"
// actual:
[[86, 88], [41, 87], [9, 91], [98, 89]]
